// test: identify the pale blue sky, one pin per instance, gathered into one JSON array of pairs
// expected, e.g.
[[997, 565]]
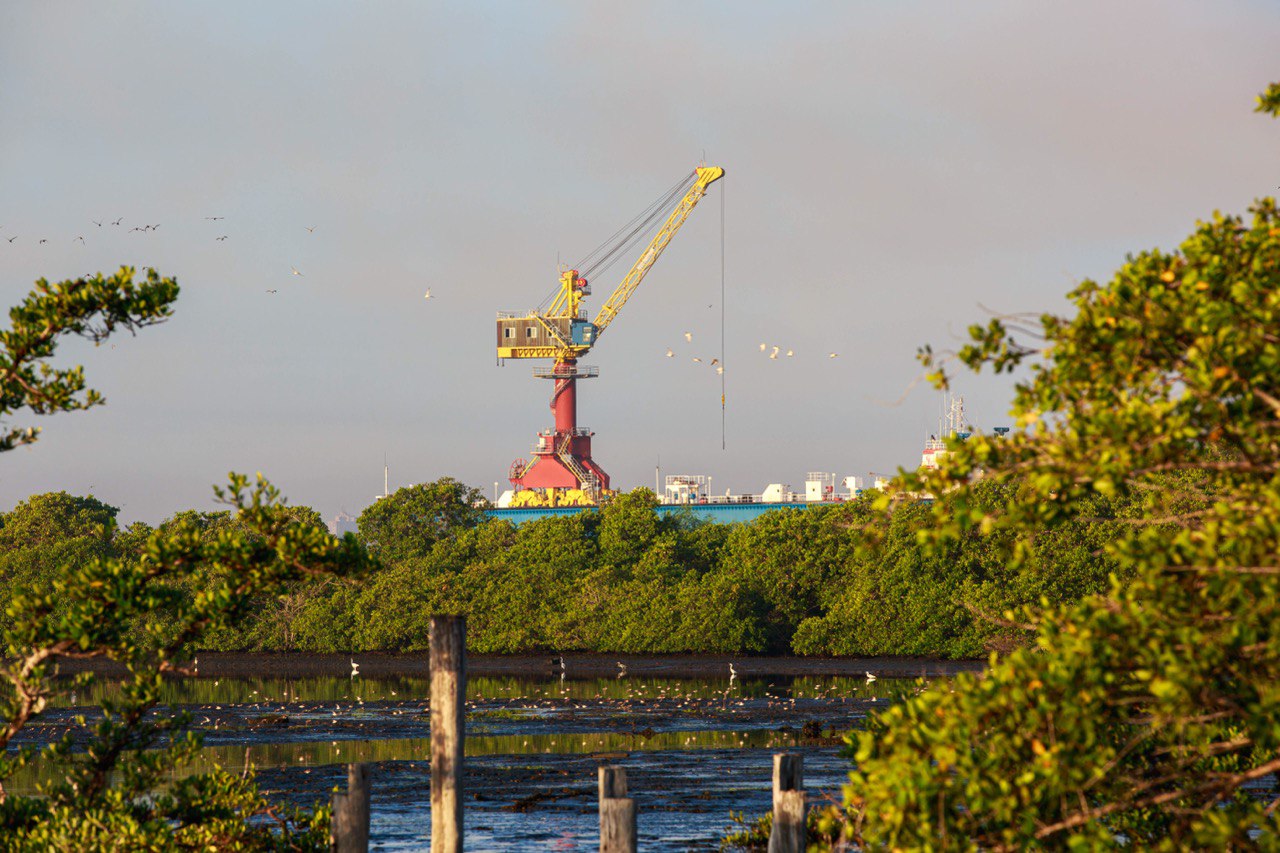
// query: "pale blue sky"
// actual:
[[891, 167]]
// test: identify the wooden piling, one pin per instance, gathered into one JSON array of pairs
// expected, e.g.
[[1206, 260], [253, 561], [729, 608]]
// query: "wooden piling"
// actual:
[[617, 812], [788, 834], [349, 826], [613, 782], [448, 694]]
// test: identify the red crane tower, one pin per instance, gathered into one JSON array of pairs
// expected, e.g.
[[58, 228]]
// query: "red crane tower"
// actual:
[[561, 470]]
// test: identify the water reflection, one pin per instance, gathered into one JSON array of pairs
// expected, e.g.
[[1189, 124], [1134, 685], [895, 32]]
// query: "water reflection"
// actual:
[[308, 754], [335, 720], [487, 690]]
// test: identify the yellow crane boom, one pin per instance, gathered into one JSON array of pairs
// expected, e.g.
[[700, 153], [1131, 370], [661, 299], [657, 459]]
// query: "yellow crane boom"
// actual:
[[706, 176], [562, 332]]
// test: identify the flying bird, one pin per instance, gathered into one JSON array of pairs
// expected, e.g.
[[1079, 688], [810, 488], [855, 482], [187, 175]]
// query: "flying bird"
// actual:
[[427, 295], [118, 221], [670, 354], [295, 270], [832, 354], [763, 347], [790, 353], [688, 336], [11, 239], [774, 354], [695, 358], [44, 241], [310, 228], [271, 291], [715, 361], [720, 370], [96, 222], [215, 217], [81, 239], [223, 237]]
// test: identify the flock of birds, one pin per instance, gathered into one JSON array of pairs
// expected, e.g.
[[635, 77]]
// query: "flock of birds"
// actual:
[[116, 223], [351, 717], [558, 663], [293, 270], [310, 229], [764, 347]]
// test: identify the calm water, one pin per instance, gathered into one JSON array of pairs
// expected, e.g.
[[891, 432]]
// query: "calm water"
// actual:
[[694, 748]]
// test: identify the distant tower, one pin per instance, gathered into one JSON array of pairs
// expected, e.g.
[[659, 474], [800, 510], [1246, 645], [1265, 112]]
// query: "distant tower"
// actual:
[[386, 481], [950, 424], [955, 425]]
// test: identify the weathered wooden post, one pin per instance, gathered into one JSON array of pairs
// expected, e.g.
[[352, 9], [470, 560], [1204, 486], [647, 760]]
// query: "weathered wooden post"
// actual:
[[788, 835], [617, 812], [349, 826], [448, 737]]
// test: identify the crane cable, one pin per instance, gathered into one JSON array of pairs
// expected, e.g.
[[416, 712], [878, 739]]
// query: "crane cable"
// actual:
[[722, 411], [638, 234], [614, 248], [657, 204]]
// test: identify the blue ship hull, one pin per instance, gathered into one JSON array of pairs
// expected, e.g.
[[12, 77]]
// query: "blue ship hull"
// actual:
[[719, 513]]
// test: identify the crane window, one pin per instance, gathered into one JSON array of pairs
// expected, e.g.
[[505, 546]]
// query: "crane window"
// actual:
[[531, 331], [508, 332]]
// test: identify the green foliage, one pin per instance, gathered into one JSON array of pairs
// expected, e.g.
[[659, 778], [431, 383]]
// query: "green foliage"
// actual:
[[76, 588], [99, 610], [55, 518], [1269, 100], [625, 579], [897, 598], [407, 523], [629, 528], [793, 562], [91, 307], [1146, 715], [752, 834], [205, 812], [48, 531]]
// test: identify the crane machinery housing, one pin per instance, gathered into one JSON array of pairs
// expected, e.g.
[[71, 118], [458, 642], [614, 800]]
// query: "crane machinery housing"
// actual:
[[561, 471]]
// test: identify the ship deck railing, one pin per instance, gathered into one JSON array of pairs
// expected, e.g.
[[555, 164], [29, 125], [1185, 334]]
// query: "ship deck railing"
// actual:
[[791, 498]]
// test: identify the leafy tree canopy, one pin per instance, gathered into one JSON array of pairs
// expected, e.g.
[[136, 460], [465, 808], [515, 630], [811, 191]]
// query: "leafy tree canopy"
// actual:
[[115, 794], [410, 521], [1148, 715], [55, 517], [91, 307]]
